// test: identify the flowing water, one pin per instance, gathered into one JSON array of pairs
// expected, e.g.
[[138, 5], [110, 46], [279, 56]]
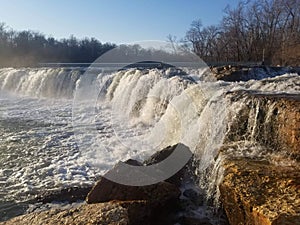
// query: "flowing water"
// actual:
[[51, 137]]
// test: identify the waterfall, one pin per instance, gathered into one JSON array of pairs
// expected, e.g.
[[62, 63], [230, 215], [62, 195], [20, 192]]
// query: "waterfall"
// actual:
[[136, 112], [40, 82]]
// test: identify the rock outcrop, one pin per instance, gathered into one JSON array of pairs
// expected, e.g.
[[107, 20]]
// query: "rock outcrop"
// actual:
[[245, 73], [257, 192], [272, 120], [262, 186]]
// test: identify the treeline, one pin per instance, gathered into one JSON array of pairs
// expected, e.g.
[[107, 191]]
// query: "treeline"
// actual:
[[254, 31], [29, 48], [258, 30]]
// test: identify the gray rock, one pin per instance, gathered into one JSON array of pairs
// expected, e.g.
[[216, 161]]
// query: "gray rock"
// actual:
[[159, 156], [157, 194], [70, 194]]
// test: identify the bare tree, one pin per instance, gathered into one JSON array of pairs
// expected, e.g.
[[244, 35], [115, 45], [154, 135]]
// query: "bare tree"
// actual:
[[249, 31]]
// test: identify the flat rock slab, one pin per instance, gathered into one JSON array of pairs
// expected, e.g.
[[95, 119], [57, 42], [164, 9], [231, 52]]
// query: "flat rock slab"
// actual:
[[104, 214]]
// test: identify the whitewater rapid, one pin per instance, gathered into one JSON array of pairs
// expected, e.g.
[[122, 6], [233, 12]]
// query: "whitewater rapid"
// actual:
[[51, 137]]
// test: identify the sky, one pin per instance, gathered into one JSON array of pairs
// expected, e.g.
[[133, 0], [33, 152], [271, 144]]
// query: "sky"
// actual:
[[115, 21]]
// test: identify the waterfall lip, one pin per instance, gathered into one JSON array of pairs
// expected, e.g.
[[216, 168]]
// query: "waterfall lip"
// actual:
[[86, 97]]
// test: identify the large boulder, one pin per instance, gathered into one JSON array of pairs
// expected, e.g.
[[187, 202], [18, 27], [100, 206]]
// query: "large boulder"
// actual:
[[157, 194], [159, 156], [161, 198]]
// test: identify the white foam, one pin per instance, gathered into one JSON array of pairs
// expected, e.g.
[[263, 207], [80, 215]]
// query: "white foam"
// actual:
[[142, 111]]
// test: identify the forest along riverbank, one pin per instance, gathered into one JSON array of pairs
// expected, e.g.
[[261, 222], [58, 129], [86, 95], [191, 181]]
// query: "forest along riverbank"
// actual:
[[251, 134]]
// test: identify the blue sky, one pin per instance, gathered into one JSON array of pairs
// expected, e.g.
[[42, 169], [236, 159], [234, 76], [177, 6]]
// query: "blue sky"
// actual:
[[111, 20]]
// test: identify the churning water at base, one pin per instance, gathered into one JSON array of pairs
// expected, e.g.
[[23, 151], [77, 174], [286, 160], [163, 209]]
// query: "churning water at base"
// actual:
[[137, 113]]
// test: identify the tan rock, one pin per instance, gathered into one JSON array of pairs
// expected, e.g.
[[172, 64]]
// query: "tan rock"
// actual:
[[109, 213], [104, 214], [262, 187], [274, 119], [259, 193]]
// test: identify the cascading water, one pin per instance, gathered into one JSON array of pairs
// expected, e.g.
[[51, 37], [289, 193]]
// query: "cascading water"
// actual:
[[137, 112], [43, 82]]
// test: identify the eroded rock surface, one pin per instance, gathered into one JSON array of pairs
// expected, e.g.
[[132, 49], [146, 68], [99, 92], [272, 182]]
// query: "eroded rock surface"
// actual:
[[272, 120], [261, 184], [257, 192]]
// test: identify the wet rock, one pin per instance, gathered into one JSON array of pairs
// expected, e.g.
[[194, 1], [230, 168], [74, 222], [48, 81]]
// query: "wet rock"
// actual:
[[162, 199], [157, 194], [261, 160], [229, 73], [159, 156], [196, 197], [245, 73], [194, 221], [258, 192], [70, 194], [272, 120], [109, 213]]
